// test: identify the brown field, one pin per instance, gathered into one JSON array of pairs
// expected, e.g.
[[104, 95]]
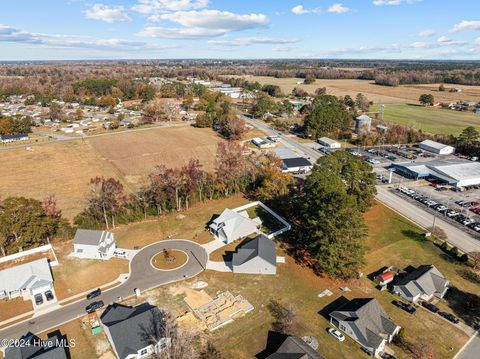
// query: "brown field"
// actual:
[[65, 168], [375, 93]]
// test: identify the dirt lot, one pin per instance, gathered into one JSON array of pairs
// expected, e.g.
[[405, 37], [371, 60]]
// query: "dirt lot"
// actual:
[[13, 307], [375, 93]]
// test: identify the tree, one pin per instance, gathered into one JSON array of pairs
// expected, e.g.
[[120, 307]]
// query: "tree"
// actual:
[[469, 136], [106, 199], [348, 101], [78, 114], [427, 99], [327, 116], [309, 79], [441, 88], [283, 317], [210, 352], [272, 90], [475, 257], [422, 349], [362, 102], [56, 111], [263, 104], [274, 185], [230, 166]]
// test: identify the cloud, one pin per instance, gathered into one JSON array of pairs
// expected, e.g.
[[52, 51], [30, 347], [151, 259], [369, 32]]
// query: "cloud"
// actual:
[[477, 41], [203, 24], [466, 25], [426, 33], [150, 7], [106, 13], [338, 9], [282, 48], [301, 10], [245, 41], [393, 2]]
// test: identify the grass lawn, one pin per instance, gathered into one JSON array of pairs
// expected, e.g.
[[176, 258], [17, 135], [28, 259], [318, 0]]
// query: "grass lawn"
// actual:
[[269, 223], [190, 224], [432, 120], [225, 253], [13, 307]]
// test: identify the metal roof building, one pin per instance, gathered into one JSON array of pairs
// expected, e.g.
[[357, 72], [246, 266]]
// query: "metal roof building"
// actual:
[[436, 147], [456, 172]]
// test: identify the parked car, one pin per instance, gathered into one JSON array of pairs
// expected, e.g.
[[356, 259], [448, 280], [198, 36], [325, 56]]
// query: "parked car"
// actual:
[[94, 306], [120, 253], [451, 213], [336, 334], [384, 355], [449, 317], [49, 295], [406, 307], [38, 299], [431, 307], [94, 294]]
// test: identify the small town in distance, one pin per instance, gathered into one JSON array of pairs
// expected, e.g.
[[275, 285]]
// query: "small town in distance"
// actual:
[[207, 180]]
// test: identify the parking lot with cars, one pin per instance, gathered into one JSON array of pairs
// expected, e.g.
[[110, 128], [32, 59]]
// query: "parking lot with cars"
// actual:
[[459, 207]]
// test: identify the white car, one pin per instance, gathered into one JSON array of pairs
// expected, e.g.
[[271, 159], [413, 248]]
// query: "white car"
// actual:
[[336, 334], [119, 253]]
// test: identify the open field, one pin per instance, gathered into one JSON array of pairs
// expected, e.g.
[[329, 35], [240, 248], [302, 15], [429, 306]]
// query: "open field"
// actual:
[[375, 93], [65, 168], [428, 119], [13, 307]]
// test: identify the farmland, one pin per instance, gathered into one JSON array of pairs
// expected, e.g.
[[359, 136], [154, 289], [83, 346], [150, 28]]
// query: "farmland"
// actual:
[[65, 168]]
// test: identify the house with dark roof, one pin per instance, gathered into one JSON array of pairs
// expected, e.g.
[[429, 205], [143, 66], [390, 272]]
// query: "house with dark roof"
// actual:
[[93, 244], [295, 348], [54, 347], [231, 225], [366, 322], [135, 332], [257, 256], [13, 138], [423, 283]]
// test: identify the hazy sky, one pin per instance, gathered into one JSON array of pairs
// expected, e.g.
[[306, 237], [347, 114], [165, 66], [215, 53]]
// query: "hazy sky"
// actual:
[[133, 29]]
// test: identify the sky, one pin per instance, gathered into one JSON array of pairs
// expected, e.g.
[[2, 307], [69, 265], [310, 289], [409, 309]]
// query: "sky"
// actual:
[[239, 29]]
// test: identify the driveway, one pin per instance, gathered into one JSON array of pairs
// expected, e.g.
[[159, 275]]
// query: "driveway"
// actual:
[[142, 276]]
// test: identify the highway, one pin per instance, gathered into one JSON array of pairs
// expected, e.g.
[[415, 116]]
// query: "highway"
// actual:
[[416, 214]]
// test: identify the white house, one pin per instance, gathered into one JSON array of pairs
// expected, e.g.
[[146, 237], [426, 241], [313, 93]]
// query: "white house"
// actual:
[[26, 280], [329, 143], [437, 147], [93, 244], [231, 225], [256, 257], [423, 283]]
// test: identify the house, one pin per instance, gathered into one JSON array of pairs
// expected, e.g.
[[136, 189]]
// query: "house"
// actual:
[[262, 143], [54, 347], [384, 278], [26, 280], [134, 332], [256, 257], [231, 225], [296, 165], [329, 143], [365, 321], [295, 348], [93, 244], [423, 283], [437, 147], [13, 138]]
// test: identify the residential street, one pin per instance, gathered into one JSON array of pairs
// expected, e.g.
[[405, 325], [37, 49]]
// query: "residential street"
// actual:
[[143, 276], [471, 350]]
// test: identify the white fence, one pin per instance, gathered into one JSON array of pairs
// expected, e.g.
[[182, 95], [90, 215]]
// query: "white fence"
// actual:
[[283, 221], [45, 248]]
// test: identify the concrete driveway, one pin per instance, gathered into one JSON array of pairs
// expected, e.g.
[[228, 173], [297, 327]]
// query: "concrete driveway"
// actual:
[[142, 276]]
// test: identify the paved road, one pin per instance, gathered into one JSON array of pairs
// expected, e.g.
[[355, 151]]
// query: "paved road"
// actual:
[[416, 214], [143, 276], [472, 350]]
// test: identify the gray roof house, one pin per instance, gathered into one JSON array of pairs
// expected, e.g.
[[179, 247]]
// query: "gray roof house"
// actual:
[[231, 225], [365, 321], [423, 283], [93, 244], [295, 348], [54, 347], [26, 279], [134, 332], [256, 257]]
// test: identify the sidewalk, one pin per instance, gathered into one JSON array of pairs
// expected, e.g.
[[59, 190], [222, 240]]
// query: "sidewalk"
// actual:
[[213, 245], [220, 266]]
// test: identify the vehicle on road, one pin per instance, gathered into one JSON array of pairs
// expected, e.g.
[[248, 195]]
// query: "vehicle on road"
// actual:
[[94, 294], [94, 306], [38, 299], [336, 334], [450, 317], [406, 307], [119, 253], [431, 307], [49, 295]]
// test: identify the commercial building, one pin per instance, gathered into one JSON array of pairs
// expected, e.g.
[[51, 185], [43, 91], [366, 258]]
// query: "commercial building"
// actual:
[[437, 147], [329, 143], [456, 172], [296, 165]]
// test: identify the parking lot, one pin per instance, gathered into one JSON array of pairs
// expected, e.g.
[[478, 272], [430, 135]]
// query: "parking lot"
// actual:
[[456, 207]]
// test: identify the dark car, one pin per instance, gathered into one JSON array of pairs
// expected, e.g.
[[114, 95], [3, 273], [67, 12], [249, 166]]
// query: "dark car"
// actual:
[[94, 306], [38, 299], [406, 307], [430, 307], [449, 317], [95, 293], [384, 355], [49, 295]]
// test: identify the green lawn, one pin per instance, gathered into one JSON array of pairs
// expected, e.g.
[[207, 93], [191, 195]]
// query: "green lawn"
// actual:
[[269, 223], [432, 120]]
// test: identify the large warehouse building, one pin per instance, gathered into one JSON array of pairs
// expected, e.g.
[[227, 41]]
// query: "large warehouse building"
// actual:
[[437, 147], [455, 172]]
